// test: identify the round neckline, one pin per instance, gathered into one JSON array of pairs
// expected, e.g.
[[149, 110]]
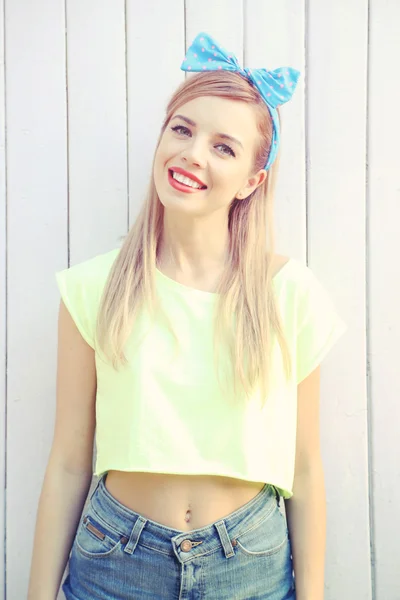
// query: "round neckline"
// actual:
[[180, 286], [173, 284]]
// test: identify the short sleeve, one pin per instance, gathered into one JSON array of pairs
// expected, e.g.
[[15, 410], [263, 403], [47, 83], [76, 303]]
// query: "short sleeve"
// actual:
[[319, 326], [76, 289]]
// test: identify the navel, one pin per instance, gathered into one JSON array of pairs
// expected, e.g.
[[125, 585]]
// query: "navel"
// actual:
[[188, 514]]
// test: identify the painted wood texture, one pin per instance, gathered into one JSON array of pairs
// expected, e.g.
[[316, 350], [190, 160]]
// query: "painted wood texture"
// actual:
[[83, 91], [37, 245], [336, 191], [383, 297], [3, 301]]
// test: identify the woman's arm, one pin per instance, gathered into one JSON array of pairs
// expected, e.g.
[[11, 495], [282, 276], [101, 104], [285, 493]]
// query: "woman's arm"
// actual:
[[306, 510], [69, 470]]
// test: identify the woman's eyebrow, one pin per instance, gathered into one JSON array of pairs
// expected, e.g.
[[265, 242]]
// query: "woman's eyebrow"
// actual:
[[224, 136]]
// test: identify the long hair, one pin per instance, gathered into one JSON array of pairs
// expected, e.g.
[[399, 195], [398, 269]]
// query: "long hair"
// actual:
[[245, 290]]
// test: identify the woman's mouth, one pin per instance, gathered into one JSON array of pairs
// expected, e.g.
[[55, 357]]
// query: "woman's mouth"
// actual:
[[181, 186]]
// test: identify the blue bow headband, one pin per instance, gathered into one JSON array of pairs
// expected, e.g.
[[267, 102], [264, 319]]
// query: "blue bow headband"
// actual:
[[275, 87]]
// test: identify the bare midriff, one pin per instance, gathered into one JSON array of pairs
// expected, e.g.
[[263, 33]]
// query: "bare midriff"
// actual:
[[182, 502]]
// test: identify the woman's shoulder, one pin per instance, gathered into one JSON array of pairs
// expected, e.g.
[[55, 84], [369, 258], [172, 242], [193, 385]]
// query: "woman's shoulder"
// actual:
[[292, 275], [296, 266], [278, 262], [100, 262], [95, 266], [298, 288], [88, 275]]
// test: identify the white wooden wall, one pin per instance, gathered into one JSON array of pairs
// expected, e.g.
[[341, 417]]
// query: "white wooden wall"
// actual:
[[83, 86]]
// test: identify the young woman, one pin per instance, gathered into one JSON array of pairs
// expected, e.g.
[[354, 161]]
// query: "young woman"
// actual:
[[194, 352]]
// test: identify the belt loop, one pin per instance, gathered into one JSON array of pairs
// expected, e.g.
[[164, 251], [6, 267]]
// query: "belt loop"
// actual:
[[225, 540], [135, 535]]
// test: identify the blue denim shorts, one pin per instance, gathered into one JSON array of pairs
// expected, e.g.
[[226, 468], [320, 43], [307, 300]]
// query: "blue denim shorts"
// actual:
[[119, 554]]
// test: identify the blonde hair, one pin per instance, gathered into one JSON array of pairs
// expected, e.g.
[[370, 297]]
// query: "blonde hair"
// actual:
[[245, 289]]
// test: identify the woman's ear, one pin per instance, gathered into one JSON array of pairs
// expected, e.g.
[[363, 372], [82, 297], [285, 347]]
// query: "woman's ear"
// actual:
[[253, 183]]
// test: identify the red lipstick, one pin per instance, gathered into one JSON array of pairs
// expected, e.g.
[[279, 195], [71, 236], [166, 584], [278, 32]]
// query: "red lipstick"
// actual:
[[181, 187], [188, 174]]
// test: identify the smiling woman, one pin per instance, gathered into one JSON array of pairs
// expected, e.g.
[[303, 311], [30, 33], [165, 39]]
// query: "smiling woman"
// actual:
[[185, 349], [223, 170]]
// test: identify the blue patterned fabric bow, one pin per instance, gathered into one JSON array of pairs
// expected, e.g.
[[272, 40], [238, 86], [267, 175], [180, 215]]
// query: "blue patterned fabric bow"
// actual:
[[275, 87]]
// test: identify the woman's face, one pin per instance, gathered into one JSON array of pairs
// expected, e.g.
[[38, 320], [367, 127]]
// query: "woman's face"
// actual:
[[198, 140]]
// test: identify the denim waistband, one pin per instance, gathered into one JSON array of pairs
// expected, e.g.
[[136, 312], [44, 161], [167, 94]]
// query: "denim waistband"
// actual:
[[186, 545]]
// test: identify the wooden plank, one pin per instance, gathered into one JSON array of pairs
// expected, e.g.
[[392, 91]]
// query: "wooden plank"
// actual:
[[3, 306], [37, 247], [155, 51], [96, 126], [223, 20], [283, 45], [336, 115], [384, 290]]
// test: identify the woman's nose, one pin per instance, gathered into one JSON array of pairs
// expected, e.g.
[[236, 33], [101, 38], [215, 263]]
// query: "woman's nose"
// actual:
[[195, 154]]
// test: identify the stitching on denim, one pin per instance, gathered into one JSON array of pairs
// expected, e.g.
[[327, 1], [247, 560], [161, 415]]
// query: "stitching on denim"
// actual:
[[199, 554], [95, 555], [264, 552], [254, 525], [105, 523], [245, 507], [159, 550]]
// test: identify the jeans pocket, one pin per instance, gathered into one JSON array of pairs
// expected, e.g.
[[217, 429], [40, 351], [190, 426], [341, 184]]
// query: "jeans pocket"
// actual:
[[95, 538], [267, 537]]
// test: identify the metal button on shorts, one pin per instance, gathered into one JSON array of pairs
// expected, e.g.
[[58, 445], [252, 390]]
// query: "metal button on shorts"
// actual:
[[186, 545]]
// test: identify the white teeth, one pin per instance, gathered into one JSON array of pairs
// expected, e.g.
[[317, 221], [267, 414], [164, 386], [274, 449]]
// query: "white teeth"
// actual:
[[185, 180]]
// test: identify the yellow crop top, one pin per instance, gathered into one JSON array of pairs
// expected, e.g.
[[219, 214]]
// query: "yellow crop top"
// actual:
[[164, 412]]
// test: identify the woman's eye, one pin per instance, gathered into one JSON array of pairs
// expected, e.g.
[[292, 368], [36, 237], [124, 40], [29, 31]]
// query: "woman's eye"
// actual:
[[180, 129], [228, 148]]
